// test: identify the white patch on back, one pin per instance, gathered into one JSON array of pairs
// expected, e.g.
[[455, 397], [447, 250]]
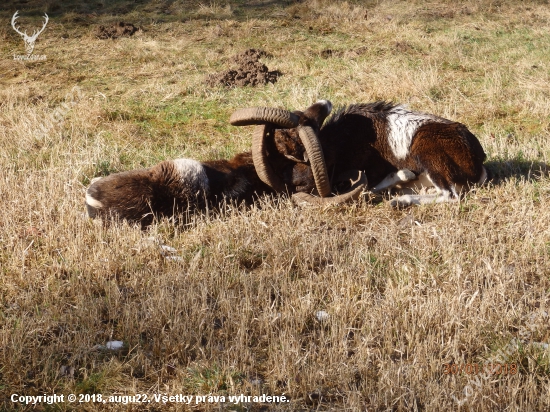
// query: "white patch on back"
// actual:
[[191, 171], [402, 125]]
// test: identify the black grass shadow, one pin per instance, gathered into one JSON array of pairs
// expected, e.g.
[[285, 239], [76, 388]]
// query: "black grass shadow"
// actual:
[[159, 9], [501, 170]]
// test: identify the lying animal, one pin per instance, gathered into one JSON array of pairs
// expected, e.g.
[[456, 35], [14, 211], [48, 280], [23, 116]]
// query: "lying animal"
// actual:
[[393, 146], [379, 143], [175, 187]]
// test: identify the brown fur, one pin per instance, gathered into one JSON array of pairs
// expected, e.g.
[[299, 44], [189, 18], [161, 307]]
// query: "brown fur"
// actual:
[[449, 152], [297, 175], [355, 137], [234, 180], [141, 195]]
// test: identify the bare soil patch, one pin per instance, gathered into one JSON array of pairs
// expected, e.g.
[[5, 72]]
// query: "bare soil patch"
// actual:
[[249, 71], [117, 30], [350, 54]]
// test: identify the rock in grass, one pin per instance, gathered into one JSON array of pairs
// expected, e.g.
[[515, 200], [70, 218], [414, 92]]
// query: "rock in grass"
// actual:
[[112, 345], [322, 316]]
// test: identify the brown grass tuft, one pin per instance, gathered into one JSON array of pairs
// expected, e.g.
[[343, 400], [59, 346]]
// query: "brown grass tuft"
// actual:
[[235, 308]]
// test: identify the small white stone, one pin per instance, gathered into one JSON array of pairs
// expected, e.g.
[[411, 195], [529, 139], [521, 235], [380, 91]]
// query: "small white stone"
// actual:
[[540, 345], [322, 316], [114, 345], [174, 258], [168, 249], [256, 381]]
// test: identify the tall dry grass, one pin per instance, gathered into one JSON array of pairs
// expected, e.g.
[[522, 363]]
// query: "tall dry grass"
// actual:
[[235, 309]]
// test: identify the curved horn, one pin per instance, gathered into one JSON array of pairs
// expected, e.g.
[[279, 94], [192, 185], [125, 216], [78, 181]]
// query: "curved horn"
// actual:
[[358, 181], [316, 159], [260, 115], [259, 157]]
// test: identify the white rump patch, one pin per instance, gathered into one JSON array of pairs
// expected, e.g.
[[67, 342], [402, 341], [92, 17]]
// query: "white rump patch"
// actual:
[[90, 201], [402, 126], [192, 171]]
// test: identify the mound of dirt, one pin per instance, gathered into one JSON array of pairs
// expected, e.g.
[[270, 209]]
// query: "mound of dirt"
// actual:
[[249, 71], [117, 30]]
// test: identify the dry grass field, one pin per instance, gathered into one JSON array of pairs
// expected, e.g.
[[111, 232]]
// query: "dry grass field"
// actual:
[[357, 307]]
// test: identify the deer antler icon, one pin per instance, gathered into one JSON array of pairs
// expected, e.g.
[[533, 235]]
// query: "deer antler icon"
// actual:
[[29, 40]]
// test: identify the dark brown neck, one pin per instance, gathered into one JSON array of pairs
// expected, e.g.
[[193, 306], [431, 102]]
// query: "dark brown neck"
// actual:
[[234, 180]]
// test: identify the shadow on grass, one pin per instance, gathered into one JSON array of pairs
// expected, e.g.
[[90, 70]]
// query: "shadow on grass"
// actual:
[[158, 9], [504, 169]]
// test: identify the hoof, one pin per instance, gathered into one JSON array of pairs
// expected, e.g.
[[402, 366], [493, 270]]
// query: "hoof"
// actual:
[[402, 201], [406, 175]]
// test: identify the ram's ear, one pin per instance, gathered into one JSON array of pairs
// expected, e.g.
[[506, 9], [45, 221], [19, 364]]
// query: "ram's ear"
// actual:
[[315, 115]]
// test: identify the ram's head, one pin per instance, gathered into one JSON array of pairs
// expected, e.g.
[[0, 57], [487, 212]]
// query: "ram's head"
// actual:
[[293, 135]]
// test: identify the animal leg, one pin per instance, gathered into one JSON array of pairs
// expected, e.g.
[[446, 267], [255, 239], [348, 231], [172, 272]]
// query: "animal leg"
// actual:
[[421, 183], [408, 200], [394, 179], [445, 193]]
